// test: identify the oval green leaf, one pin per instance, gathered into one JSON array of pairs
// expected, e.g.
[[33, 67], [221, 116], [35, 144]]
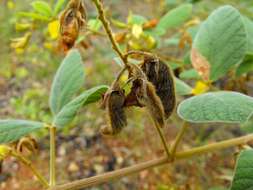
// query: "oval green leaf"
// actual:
[[34, 16], [189, 74], [246, 66], [42, 8], [67, 81], [58, 7], [68, 112], [249, 28], [174, 18], [221, 43], [243, 177], [182, 88], [12, 130], [224, 106]]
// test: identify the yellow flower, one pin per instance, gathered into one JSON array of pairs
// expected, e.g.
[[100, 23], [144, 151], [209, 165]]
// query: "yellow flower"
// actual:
[[4, 151], [137, 31], [54, 29], [124, 78], [200, 88]]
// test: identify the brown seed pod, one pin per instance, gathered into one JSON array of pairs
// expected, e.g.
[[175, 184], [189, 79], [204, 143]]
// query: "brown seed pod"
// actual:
[[161, 77], [72, 20], [26, 144], [142, 94], [115, 112]]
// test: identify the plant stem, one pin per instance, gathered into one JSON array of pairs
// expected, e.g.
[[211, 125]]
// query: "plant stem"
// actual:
[[108, 30], [178, 139], [52, 130], [29, 164], [163, 139], [99, 179]]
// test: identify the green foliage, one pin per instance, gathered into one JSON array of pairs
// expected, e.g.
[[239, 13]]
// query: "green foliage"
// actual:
[[221, 42], [69, 111], [58, 6], [182, 88], [67, 82], [42, 8], [243, 178], [246, 66], [189, 74], [174, 18], [32, 104], [12, 130], [249, 28], [34, 16], [94, 24], [223, 106], [136, 19]]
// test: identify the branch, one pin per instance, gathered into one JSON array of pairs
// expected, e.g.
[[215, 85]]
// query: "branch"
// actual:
[[178, 139], [52, 131], [99, 179], [108, 30], [29, 164]]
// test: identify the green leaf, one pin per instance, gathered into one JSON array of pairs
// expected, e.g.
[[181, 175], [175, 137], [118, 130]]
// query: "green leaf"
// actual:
[[182, 88], [223, 106], [246, 66], [136, 19], [243, 178], [34, 16], [174, 18], [58, 7], [12, 130], [221, 43], [42, 8], [173, 65], [249, 28], [189, 74], [67, 81], [94, 24], [68, 112]]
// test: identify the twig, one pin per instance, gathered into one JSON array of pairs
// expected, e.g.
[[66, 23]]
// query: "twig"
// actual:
[[163, 139], [29, 164], [132, 52], [108, 30], [99, 179], [178, 139], [52, 131]]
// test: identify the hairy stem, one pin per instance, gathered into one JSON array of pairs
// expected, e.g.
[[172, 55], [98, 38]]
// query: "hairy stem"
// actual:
[[178, 139], [108, 30], [52, 130], [99, 179], [29, 164]]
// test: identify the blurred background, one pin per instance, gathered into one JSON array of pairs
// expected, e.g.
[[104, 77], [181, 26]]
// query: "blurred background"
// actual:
[[30, 56]]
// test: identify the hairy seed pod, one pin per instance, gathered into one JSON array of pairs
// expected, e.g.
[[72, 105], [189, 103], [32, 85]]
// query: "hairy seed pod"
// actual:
[[115, 113], [72, 20], [144, 95], [161, 77]]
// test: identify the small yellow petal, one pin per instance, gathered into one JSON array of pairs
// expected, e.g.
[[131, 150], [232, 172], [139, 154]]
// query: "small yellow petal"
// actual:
[[200, 88], [19, 51], [4, 151], [54, 29], [137, 30], [48, 45], [124, 78]]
